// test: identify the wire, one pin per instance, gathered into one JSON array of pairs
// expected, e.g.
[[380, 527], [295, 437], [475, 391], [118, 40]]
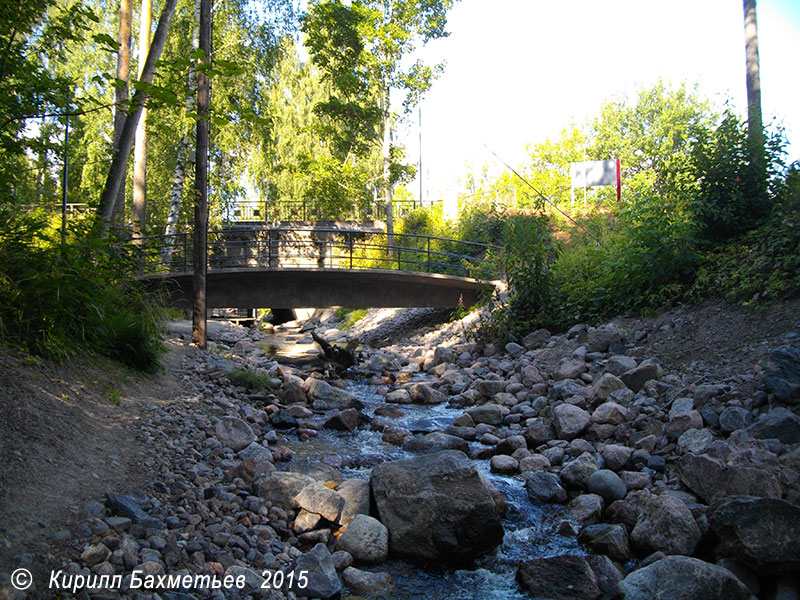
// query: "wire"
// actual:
[[541, 195]]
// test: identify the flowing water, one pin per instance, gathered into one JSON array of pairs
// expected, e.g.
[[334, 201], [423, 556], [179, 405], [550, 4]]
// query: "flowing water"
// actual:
[[531, 530]]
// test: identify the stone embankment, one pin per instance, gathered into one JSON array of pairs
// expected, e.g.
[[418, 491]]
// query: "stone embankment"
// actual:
[[668, 484]]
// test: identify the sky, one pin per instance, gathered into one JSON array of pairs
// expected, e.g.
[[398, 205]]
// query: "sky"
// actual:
[[518, 71]]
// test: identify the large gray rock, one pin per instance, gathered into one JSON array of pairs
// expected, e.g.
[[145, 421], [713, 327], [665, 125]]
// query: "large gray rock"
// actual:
[[565, 577], [321, 578], [779, 423], [638, 376], [712, 479], [435, 442], [610, 412], [234, 433], [607, 484], [423, 393], [764, 533], [368, 583], [600, 338], [334, 398], [355, 493], [436, 507], [544, 487], [539, 431], [320, 500], [606, 385], [570, 421], [281, 487], [611, 540], [682, 578], [491, 414], [665, 524], [366, 539], [575, 473], [782, 375]]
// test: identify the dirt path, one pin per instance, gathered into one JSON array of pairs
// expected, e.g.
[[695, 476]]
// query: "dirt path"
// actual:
[[68, 434]]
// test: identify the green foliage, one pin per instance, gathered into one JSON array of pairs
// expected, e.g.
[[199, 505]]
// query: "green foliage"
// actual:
[[764, 263], [734, 193], [58, 299], [250, 380]]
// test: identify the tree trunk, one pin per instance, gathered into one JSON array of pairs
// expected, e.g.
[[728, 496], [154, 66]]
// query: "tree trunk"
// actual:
[[387, 163], [183, 147], [121, 93], [200, 248], [122, 150], [755, 126], [139, 205]]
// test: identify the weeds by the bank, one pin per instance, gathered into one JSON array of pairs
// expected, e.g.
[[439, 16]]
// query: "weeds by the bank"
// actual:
[[60, 298]]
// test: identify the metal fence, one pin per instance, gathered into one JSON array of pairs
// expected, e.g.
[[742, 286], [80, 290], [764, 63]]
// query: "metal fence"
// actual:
[[324, 248]]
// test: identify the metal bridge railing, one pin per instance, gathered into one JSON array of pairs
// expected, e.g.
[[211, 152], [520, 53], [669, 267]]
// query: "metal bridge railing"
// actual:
[[323, 248]]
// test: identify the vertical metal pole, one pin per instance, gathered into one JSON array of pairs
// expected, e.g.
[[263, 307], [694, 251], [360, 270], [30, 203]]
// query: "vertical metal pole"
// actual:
[[64, 183], [350, 243], [429, 255], [420, 156], [200, 254]]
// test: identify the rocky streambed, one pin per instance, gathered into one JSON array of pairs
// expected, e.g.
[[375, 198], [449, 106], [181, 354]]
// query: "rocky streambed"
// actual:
[[570, 466]]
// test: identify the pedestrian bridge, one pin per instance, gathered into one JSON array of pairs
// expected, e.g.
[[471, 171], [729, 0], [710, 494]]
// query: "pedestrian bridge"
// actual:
[[315, 267]]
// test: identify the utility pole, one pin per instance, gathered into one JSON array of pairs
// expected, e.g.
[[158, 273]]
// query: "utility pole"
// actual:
[[420, 156], [200, 249], [755, 126]]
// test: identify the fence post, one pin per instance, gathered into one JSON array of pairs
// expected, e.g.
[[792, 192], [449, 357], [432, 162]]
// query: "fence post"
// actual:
[[185, 252], [350, 244], [429, 255]]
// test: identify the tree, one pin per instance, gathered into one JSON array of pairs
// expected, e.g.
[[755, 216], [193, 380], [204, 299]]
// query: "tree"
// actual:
[[755, 126], [121, 90], [122, 149], [140, 154], [360, 48]]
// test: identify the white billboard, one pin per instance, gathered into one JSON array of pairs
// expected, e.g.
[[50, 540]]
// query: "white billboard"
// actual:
[[593, 173]]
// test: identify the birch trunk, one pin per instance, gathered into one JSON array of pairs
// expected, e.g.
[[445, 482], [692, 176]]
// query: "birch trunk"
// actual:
[[139, 206], [122, 151]]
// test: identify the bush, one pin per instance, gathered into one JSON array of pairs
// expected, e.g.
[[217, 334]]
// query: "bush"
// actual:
[[58, 299], [251, 381]]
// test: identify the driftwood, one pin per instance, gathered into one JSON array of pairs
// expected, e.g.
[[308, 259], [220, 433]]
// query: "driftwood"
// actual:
[[342, 358]]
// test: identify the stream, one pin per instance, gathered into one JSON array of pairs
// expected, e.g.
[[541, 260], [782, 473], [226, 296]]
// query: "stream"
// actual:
[[531, 530]]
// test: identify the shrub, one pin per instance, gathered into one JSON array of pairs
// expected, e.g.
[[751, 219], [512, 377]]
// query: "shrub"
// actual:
[[60, 298], [250, 380]]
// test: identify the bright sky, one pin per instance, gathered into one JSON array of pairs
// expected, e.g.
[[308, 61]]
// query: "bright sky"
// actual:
[[519, 71]]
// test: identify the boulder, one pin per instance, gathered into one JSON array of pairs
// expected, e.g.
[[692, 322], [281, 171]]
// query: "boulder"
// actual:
[[684, 578], [400, 396], [606, 385], [234, 433], [503, 464], [764, 533], [611, 540], [435, 442], [281, 487], [600, 338], [535, 462], [539, 431], [321, 579], [610, 412], [333, 397], [491, 414], [638, 376], [569, 421], [320, 500], [535, 339], [712, 479], [695, 441], [368, 583], [355, 493], [436, 508], [782, 375], [544, 487], [619, 364], [616, 456], [343, 420], [665, 524], [569, 369], [607, 484], [779, 423], [565, 577], [490, 387], [423, 393], [734, 417], [585, 507], [575, 473], [366, 539]]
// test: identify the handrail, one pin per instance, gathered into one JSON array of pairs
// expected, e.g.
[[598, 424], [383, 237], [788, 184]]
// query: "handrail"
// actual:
[[322, 248]]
